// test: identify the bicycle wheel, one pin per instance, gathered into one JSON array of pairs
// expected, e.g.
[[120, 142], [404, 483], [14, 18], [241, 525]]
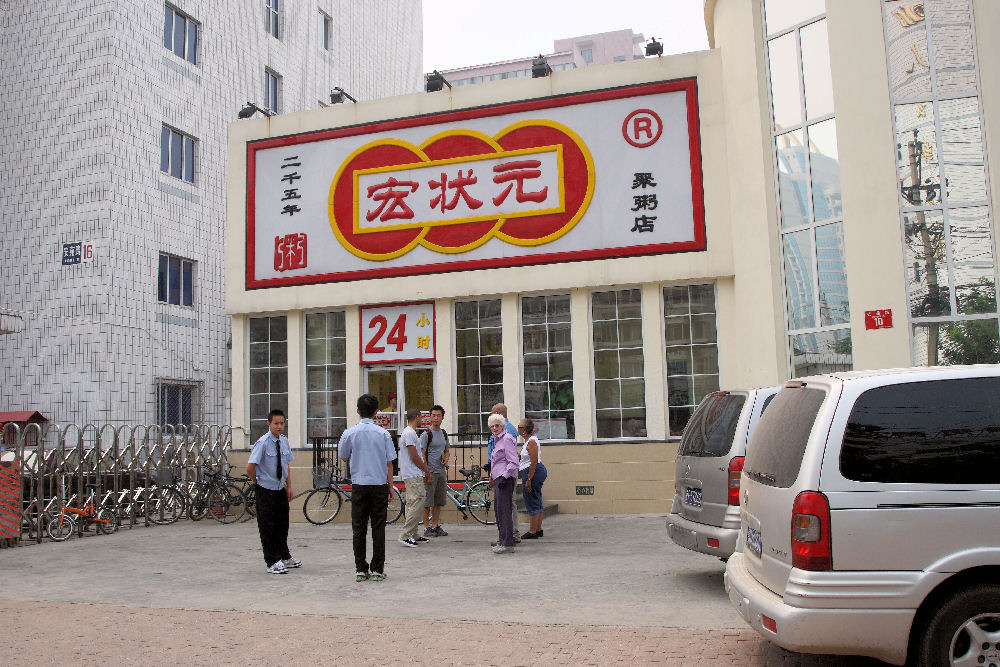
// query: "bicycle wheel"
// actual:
[[198, 502], [61, 528], [164, 505], [107, 514], [322, 505], [479, 502], [396, 505], [226, 504]]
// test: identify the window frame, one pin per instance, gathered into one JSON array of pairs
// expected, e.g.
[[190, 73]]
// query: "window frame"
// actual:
[[186, 164], [332, 429], [690, 345], [593, 363], [186, 280], [482, 413], [325, 31], [272, 18], [568, 295], [192, 390], [191, 26], [270, 340], [272, 90]]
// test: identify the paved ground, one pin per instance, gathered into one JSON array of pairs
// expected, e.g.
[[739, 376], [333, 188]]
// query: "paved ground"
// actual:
[[595, 590]]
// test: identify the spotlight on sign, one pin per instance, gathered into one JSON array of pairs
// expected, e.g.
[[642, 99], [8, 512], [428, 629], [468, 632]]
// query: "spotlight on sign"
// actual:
[[435, 82], [540, 67], [654, 48], [250, 109], [338, 94]]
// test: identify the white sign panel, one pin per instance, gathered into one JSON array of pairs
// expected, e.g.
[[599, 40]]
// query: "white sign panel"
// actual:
[[397, 333]]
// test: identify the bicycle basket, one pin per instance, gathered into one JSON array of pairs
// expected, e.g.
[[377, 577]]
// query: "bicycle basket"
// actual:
[[321, 477]]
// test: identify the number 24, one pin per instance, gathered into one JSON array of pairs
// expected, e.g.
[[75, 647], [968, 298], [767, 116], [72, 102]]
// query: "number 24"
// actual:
[[397, 335]]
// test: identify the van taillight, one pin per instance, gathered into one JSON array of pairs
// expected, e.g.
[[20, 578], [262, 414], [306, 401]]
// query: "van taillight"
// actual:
[[735, 470], [811, 532]]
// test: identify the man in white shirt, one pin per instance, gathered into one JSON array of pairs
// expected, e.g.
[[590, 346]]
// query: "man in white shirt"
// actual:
[[268, 469], [415, 473]]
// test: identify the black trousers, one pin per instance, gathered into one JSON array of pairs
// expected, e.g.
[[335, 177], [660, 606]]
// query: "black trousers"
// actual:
[[369, 502], [272, 522]]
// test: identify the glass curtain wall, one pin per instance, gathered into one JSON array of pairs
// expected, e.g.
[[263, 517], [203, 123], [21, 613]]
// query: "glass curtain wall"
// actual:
[[807, 168], [943, 193]]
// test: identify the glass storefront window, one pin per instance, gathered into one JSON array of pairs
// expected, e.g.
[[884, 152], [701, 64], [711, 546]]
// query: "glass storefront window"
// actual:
[[326, 378], [786, 87], [268, 370], [547, 347], [821, 352], [824, 171], [962, 155], [619, 376], [834, 306], [478, 362], [969, 341], [692, 350], [793, 179], [800, 279], [818, 82]]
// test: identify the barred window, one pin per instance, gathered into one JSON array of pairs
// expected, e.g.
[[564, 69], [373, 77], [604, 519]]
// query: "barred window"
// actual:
[[268, 370], [478, 362], [547, 345], [326, 379], [176, 404], [619, 375]]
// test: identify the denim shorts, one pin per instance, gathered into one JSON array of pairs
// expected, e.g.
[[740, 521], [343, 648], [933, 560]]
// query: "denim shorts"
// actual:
[[533, 499]]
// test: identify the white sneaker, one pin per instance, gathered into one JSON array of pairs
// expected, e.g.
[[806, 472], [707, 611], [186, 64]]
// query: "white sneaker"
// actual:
[[500, 549], [292, 562], [408, 542], [278, 568]]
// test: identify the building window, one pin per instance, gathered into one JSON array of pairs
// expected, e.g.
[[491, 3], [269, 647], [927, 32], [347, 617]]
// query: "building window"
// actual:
[[692, 350], [807, 167], [268, 370], [177, 154], [947, 221], [619, 375], [271, 17], [478, 362], [175, 282], [271, 80], [587, 55], [547, 346], [325, 26], [180, 34], [326, 374], [176, 404]]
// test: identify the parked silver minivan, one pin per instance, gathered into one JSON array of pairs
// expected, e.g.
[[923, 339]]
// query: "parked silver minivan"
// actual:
[[870, 506], [705, 515]]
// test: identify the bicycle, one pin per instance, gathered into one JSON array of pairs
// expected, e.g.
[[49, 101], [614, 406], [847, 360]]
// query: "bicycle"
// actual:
[[62, 526], [165, 503], [475, 495], [217, 498], [322, 504], [246, 485]]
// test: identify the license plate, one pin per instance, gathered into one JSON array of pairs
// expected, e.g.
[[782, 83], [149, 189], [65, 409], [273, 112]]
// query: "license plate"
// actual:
[[692, 497], [755, 541]]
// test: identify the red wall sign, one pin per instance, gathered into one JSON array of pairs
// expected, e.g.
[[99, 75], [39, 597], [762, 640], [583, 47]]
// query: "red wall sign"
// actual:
[[878, 319]]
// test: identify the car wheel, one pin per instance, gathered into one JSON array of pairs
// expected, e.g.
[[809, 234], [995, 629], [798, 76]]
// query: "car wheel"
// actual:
[[964, 630]]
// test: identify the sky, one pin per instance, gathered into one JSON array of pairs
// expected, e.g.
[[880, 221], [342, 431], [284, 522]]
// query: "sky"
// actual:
[[460, 33]]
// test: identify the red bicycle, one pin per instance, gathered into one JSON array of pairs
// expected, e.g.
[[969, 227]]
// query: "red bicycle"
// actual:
[[64, 524]]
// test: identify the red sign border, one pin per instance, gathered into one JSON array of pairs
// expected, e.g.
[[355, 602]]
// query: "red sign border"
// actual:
[[688, 85], [361, 334]]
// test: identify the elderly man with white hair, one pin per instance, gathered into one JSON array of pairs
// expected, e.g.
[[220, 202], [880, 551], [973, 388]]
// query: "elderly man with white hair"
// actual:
[[503, 470]]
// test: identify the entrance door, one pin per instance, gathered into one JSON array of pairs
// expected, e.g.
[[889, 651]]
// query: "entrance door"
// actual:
[[399, 388]]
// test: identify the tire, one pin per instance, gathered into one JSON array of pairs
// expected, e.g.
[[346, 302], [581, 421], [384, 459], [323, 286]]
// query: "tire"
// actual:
[[226, 504], [107, 514], [61, 528], [956, 632], [164, 505], [322, 505], [198, 503], [395, 508], [479, 503]]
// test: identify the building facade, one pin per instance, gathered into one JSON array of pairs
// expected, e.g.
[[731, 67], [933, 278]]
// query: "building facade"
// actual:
[[602, 247], [570, 53], [114, 139]]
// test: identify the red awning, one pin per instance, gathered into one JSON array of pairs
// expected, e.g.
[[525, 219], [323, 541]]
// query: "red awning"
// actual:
[[23, 416]]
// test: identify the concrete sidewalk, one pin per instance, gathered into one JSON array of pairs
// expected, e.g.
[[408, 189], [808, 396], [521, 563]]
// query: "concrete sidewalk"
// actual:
[[596, 588]]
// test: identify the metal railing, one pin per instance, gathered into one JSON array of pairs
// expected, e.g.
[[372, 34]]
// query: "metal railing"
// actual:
[[43, 465]]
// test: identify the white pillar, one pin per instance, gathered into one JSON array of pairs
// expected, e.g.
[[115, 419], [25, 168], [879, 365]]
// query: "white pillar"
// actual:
[[583, 383]]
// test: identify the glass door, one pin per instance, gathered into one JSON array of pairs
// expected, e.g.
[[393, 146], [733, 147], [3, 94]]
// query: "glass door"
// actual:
[[397, 389]]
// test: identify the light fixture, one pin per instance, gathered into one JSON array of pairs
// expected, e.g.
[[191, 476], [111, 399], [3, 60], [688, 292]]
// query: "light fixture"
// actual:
[[435, 82], [250, 109], [338, 94], [540, 67], [654, 48]]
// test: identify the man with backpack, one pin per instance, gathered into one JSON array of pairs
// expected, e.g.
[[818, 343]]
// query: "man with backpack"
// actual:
[[434, 441]]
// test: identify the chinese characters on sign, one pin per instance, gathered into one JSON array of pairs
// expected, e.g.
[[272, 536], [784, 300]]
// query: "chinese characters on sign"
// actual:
[[455, 191], [290, 249], [878, 319], [397, 333], [75, 253], [291, 192], [646, 201]]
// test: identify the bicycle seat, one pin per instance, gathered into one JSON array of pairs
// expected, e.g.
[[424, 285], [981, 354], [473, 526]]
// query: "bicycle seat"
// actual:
[[92, 486], [470, 473]]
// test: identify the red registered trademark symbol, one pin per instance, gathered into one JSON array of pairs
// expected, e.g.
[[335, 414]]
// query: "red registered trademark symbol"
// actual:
[[642, 128]]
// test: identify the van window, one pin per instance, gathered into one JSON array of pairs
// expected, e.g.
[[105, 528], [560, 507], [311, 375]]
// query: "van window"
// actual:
[[713, 425], [774, 454], [938, 432]]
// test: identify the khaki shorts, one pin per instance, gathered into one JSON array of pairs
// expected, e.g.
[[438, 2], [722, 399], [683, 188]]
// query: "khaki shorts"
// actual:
[[436, 494]]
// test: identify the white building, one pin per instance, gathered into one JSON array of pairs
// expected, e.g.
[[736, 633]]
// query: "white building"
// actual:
[[113, 204]]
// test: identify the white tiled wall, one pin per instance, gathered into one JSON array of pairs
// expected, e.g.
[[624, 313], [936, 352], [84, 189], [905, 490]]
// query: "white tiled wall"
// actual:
[[86, 87]]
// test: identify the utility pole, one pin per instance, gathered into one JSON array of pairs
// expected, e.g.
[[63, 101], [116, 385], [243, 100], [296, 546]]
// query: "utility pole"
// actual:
[[913, 195]]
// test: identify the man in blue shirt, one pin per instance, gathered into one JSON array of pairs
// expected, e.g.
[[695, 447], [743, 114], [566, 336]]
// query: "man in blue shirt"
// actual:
[[368, 448], [501, 409], [268, 468]]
